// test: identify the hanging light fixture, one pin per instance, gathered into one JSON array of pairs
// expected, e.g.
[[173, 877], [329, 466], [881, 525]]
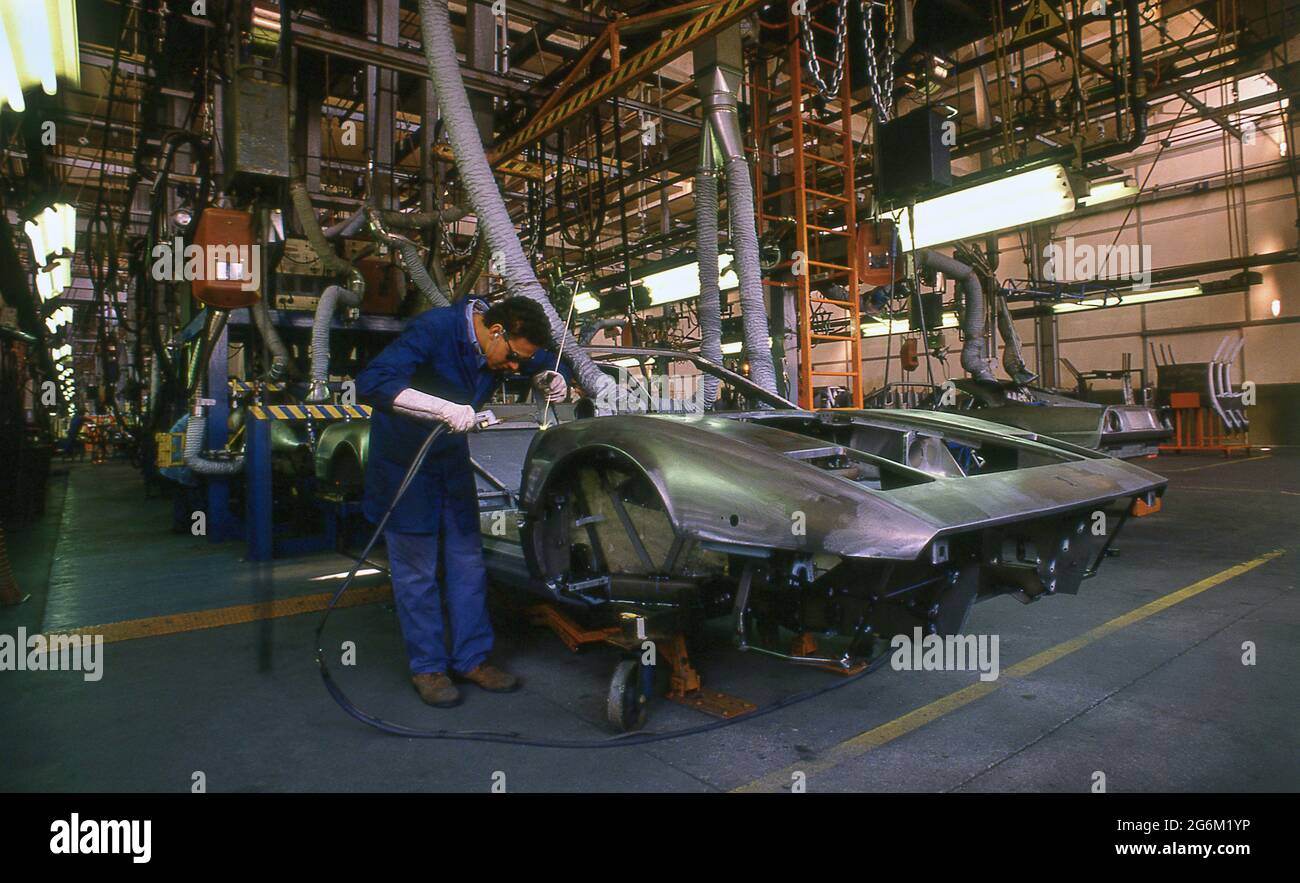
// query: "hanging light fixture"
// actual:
[[39, 43], [1013, 201], [53, 232]]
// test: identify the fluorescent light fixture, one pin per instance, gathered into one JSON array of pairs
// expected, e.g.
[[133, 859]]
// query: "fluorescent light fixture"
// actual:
[[1129, 298], [683, 283], [58, 318], [1108, 191], [627, 363], [733, 347], [53, 232], [1013, 201], [62, 273], [38, 44], [877, 328], [584, 302]]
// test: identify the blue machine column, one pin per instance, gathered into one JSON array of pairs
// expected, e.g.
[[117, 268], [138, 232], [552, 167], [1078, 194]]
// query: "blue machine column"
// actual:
[[258, 524]]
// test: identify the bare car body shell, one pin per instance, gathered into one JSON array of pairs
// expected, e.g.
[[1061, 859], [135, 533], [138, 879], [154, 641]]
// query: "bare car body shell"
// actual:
[[860, 524]]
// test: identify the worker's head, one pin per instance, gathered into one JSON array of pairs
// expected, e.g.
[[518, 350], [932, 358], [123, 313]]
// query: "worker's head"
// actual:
[[515, 329]]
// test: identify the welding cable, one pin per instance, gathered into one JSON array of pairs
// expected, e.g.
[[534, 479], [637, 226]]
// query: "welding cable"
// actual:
[[513, 738]]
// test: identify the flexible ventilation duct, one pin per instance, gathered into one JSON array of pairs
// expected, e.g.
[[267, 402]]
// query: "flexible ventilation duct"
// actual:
[[974, 353], [409, 252], [720, 109], [1012, 358], [261, 314], [347, 227], [319, 390], [485, 198], [591, 329], [706, 253]]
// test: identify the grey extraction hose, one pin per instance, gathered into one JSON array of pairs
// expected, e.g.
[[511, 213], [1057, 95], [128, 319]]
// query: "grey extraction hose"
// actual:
[[409, 253], [485, 197], [974, 353], [720, 108], [319, 390], [706, 252]]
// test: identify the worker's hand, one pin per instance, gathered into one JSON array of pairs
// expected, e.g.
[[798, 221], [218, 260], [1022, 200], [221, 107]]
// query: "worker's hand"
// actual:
[[551, 385], [460, 418], [422, 406]]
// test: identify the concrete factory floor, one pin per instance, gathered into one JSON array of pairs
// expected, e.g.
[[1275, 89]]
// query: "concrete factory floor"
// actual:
[[1139, 677]]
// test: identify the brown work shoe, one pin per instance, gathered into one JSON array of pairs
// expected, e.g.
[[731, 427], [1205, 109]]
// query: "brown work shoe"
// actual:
[[436, 689], [491, 678]]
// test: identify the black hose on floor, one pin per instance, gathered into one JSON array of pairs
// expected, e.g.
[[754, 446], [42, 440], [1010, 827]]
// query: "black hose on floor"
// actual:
[[512, 738]]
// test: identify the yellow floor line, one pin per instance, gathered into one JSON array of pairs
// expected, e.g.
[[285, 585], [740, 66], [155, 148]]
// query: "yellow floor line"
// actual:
[[914, 720], [1227, 462], [1235, 490], [176, 623]]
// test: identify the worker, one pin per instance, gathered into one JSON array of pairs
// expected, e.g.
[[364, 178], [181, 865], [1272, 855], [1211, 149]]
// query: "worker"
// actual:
[[443, 367]]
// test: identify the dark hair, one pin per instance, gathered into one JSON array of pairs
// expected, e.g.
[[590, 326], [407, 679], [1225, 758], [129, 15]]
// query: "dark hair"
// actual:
[[521, 317]]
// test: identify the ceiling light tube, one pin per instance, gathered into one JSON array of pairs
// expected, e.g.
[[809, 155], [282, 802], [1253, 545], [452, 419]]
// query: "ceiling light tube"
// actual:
[[1013, 201]]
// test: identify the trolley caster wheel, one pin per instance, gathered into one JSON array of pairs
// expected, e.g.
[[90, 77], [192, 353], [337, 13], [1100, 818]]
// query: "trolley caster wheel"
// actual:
[[628, 702]]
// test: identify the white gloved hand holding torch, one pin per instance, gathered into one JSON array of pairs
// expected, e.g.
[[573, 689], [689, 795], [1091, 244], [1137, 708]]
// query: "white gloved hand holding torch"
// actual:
[[422, 406], [551, 386]]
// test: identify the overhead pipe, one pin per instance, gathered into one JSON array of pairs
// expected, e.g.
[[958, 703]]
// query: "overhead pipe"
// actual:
[[1137, 100], [318, 391], [719, 100], [485, 198]]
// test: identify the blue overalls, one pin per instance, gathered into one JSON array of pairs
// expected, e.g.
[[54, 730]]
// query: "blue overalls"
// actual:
[[438, 354]]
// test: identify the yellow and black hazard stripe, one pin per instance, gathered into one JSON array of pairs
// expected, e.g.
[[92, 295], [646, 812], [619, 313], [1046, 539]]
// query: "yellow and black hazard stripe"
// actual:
[[309, 412], [655, 56], [521, 168], [254, 386]]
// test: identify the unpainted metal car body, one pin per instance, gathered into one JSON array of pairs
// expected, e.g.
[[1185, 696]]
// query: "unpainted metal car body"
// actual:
[[1120, 430], [856, 524]]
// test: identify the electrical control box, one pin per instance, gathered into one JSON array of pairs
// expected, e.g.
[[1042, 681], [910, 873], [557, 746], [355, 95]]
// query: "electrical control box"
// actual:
[[170, 449], [912, 159], [301, 277], [231, 265], [256, 130]]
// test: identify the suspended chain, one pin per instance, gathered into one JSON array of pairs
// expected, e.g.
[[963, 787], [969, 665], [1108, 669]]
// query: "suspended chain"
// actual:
[[832, 88], [882, 89]]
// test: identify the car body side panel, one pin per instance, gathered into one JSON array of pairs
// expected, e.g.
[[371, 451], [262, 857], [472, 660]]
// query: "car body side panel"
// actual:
[[735, 481]]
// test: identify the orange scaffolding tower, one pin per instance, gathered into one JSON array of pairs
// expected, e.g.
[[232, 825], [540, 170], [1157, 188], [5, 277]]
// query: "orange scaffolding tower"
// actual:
[[813, 149]]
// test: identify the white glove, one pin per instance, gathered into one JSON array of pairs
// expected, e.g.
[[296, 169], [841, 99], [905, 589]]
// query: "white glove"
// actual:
[[551, 385], [422, 406]]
